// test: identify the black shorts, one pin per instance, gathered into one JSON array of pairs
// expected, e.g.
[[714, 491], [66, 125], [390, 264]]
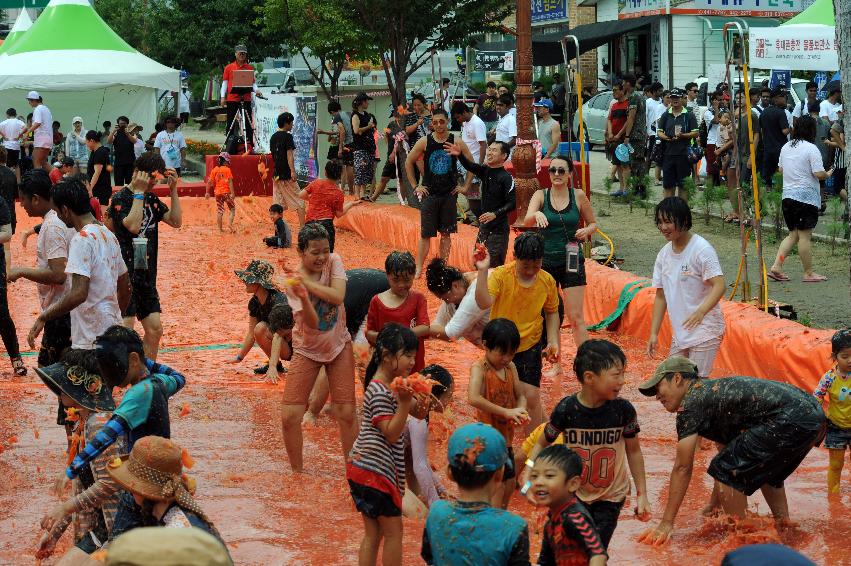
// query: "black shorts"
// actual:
[[675, 168], [564, 279], [389, 170], [605, 515], [348, 155], [496, 243], [799, 215], [438, 214], [144, 297], [529, 365], [770, 452], [372, 502], [55, 340], [509, 473], [13, 156]]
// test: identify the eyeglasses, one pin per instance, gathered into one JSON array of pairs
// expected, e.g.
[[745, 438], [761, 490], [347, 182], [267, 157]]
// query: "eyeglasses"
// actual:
[[557, 170]]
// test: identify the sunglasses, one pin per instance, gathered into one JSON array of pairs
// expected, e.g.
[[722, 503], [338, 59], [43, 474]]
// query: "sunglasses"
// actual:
[[438, 121], [557, 170]]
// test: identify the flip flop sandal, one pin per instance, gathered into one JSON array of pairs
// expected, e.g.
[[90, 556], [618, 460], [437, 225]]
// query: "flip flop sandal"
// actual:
[[815, 278], [777, 277], [19, 368]]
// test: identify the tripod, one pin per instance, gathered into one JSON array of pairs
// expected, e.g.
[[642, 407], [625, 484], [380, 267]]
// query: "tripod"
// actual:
[[239, 124]]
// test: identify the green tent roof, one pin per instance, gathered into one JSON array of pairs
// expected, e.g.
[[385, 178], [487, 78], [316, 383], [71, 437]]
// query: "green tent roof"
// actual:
[[51, 31], [820, 12], [22, 24]]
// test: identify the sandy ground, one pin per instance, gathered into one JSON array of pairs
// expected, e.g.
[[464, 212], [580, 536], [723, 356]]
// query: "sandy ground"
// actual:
[[270, 516]]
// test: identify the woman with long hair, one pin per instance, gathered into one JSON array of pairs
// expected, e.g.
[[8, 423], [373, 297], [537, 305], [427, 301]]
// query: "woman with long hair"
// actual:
[[802, 168]]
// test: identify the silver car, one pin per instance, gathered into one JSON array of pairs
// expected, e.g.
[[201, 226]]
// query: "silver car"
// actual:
[[595, 112]]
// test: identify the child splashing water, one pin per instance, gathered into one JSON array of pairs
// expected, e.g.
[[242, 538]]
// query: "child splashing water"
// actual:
[[835, 388], [376, 469], [496, 393]]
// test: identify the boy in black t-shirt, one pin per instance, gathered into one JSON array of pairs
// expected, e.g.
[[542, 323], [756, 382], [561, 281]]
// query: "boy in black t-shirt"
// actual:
[[283, 235], [570, 535], [766, 428], [135, 213], [603, 429], [284, 186]]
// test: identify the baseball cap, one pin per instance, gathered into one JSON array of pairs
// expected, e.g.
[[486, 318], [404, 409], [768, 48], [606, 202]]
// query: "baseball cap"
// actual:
[[479, 445], [33, 95], [240, 48], [677, 93], [673, 364], [545, 103], [361, 96]]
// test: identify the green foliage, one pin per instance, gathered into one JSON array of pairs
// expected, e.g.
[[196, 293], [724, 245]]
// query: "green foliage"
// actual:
[[196, 36], [690, 188], [324, 29], [772, 204], [404, 32], [836, 227]]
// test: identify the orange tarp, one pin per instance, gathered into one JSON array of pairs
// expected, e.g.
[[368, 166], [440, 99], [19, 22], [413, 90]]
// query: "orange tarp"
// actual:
[[756, 343]]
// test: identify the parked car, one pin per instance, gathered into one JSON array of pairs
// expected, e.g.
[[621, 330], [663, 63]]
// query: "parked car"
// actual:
[[595, 112], [285, 79]]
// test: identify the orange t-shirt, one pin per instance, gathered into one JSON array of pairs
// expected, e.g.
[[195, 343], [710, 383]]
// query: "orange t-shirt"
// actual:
[[220, 175], [324, 199], [227, 75], [500, 392]]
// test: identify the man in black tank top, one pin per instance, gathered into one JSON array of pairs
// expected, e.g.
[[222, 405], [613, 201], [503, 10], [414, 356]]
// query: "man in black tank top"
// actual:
[[438, 189]]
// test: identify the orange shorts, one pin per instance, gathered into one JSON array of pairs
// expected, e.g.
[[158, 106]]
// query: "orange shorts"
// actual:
[[303, 372]]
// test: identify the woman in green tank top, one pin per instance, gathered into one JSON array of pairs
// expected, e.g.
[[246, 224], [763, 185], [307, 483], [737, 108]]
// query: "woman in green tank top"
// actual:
[[556, 212]]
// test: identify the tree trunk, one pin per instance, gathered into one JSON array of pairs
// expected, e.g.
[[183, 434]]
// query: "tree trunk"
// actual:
[[842, 9]]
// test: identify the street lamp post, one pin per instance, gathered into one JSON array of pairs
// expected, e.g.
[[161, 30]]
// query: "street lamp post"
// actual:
[[524, 157]]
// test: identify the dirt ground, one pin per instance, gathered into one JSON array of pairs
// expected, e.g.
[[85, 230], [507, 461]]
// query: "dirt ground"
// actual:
[[270, 516]]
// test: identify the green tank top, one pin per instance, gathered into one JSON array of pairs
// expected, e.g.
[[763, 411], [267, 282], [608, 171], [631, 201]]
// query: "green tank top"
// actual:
[[561, 228]]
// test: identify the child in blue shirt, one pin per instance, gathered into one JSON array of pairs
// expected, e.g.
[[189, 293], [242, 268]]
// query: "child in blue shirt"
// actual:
[[468, 530]]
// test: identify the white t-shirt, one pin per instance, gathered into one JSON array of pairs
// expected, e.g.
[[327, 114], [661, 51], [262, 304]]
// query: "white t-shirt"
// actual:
[[182, 102], [11, 129], [466, 320], [801, 109], [711, 129], [798, 165], [829, 110], [42, 116], [94, 253], [684, 277], [170, 145], [506, 128], [472, 132], [54, 239], [653, 110]]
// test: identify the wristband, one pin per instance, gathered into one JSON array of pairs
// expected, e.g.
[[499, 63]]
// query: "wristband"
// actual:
[[139, 196], [526, 487]]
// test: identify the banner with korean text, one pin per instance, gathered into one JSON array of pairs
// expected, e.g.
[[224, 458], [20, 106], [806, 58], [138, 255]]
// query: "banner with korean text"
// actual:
[[807, 47]]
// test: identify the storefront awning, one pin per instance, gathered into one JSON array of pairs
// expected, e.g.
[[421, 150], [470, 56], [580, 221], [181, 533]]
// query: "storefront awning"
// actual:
[[716, 23], [546, 48]]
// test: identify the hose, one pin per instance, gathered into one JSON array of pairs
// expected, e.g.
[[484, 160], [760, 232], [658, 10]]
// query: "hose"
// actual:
[[611, 246]]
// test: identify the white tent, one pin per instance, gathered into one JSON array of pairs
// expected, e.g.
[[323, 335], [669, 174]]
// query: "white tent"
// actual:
[[82, 68], [22, 24]]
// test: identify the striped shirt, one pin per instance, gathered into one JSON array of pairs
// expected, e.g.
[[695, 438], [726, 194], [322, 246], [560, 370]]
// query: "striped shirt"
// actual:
[[372, 451]]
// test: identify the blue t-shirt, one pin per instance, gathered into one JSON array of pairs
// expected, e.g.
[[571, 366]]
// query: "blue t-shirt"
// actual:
[[458, 533]]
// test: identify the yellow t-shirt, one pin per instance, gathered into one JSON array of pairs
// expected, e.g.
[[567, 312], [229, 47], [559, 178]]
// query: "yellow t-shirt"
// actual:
[[522, 304], [837, 388], [532, 439]]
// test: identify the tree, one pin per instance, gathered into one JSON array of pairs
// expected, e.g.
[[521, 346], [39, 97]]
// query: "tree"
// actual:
[[406, 32], [196, 36], [322, 28], [842, 10]]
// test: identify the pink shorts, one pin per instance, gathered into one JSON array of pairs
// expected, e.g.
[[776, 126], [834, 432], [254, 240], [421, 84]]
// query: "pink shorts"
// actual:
[[43, 141], [702, 355], [303, 372], [285, 193]]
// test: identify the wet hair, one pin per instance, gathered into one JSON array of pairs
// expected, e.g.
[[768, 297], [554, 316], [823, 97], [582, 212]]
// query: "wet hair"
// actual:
[[400, 263], [334, 106], [501, 334], [675, 210], [503, 147], [94, 135], [334, 169], [72, 193], [459, 108], [276, 208], [840, 341], [11, 112], [804, 129], [285, 118], [440, 276], [36, 182], [563, 458], [281, 317], [440, 112], [83, 358], [563, 157], [465, 474], [113, 349], [150, 162], [439, 374], [310, 232], [529, 245], [391, 340], [597, 356]]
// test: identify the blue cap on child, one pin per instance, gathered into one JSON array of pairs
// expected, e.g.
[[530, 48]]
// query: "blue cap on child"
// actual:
[[480, 445]]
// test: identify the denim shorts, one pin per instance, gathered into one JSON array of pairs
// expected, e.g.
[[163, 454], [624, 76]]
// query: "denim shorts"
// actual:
[[837, 438]]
